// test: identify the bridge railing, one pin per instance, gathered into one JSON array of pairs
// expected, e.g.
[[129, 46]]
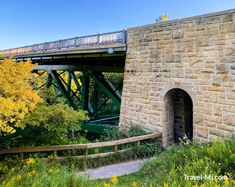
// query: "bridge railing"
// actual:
[[76, 42]]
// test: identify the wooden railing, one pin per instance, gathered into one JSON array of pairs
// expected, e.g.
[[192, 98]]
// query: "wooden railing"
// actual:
[[76, 42], [85, 147]]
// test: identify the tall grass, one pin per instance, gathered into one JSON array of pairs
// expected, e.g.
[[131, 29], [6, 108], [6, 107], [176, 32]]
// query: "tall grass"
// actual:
[[216, 159]]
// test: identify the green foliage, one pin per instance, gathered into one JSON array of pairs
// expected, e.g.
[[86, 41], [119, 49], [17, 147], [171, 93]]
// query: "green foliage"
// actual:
[[50, 95], [55, 118], [118, 133], [145, 150], [34, 173], [8, 163], [115, 78], [167, 169], [48, 125], [216, 159], [109, 108], [51, 122]]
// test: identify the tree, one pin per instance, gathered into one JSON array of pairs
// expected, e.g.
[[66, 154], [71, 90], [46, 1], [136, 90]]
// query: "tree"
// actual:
[[17, 96], [49, 124]]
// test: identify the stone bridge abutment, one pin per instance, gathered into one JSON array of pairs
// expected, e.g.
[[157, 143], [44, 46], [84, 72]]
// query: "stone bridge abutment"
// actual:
[[169, 64]]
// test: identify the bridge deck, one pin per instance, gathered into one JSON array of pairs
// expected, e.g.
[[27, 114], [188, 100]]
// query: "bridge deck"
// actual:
[[102, 52], [100, 43]]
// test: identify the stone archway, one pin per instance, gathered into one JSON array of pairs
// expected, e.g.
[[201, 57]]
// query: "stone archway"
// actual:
[[179, 114]]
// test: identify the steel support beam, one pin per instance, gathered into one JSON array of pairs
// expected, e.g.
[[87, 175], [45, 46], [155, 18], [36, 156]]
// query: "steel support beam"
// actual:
[[95, 99], [107, 89], [93, 68], [85, 91], [69, 83], [62, 89]]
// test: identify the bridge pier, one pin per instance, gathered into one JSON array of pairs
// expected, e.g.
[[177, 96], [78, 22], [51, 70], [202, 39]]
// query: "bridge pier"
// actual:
[[193, 54]]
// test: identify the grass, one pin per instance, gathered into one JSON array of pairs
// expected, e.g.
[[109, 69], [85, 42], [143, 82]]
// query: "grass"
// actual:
[[167, 169]]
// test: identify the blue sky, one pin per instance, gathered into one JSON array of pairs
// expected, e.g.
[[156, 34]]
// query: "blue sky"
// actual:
[[24, 22]]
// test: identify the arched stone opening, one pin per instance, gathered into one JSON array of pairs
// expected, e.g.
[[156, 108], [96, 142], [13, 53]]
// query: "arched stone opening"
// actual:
[[179, 114]]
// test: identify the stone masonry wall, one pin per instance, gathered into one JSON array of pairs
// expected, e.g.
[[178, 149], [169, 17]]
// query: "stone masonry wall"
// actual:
[[194, 54]]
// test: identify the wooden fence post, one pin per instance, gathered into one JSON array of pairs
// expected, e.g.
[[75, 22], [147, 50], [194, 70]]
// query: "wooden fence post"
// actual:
[[138, 143], [21, 156], [87, 152], [55, 153], [115, 148]]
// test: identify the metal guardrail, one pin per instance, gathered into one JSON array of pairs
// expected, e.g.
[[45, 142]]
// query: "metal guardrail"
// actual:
[[76, 42]]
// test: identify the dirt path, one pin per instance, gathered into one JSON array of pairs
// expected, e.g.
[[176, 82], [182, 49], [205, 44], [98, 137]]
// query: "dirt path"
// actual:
[[114, 169]]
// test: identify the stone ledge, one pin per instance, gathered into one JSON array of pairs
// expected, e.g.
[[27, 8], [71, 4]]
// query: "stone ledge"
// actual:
[[184, 19]]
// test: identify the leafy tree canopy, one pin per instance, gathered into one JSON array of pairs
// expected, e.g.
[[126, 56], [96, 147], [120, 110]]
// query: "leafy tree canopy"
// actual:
[[49, 124], [17, 96]]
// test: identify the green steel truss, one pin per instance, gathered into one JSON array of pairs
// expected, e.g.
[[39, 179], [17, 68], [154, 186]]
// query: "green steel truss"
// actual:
[[83, 91]]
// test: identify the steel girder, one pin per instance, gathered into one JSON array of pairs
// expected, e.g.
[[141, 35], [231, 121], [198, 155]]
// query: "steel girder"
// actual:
[[81, 97]]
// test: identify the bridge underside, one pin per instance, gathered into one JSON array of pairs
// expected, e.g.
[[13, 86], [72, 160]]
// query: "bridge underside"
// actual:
[[87, 62], [78, 68], [81, 80]]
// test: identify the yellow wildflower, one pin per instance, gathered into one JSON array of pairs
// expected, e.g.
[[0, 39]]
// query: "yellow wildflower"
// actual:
[[18, 177], [30, 161], [225, 179], [9, 184], [50, 170], [165, 184], [215, 141], [12, 169], [114, 180], [32, 173], [107, 185], [134, 184]]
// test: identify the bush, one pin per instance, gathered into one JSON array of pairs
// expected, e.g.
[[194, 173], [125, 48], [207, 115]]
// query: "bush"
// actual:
[[118, 133], [47, 125]]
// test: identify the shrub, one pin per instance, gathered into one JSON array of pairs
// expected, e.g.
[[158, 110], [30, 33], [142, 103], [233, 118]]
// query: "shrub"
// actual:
[[47, 125], [118, 133]]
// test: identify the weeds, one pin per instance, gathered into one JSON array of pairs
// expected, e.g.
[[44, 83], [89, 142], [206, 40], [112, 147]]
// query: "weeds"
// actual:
[[168, 169]]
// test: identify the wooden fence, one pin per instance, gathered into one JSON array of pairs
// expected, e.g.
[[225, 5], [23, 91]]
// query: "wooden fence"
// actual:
[[85, 147]]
